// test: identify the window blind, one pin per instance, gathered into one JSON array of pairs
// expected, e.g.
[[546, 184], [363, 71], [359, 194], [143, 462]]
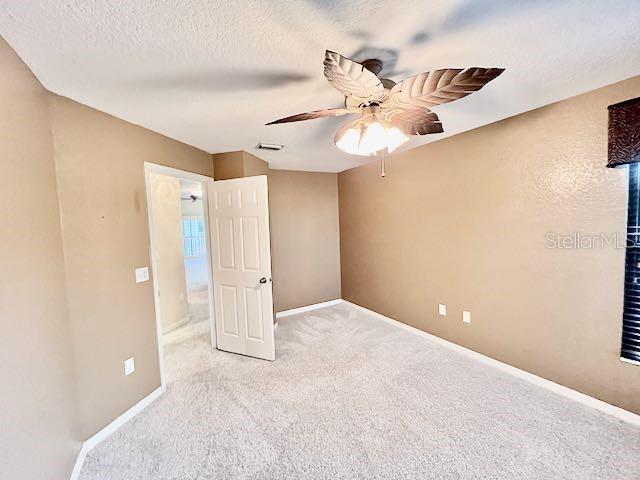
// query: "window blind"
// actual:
[[631, 314], [193, 237]]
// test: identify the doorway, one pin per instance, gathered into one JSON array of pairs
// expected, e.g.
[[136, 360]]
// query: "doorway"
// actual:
[[211, 267], [180, 253]]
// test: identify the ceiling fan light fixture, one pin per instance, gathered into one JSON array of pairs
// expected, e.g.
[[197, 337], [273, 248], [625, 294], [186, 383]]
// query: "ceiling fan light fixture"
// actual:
[[395, 138], [373, 138], [370, 139], [349, 142]]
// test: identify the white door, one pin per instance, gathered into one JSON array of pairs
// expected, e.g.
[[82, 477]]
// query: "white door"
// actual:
[[241, 266]]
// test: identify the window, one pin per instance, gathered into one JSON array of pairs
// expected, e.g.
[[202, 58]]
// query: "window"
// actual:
[[193, 237], [631, 314]]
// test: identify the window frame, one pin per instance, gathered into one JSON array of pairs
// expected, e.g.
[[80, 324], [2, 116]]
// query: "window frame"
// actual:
[[196, 242]]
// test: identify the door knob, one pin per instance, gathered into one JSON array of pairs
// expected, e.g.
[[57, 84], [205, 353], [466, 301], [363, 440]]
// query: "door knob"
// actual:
[[263, 280]]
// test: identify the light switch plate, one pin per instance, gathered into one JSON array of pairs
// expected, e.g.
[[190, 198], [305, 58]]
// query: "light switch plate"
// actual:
[[129, 366], [142, 274], [442, 310], [466, 317]]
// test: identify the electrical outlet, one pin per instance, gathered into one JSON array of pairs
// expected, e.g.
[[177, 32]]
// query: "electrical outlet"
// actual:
[[466, 317], [442, 310], [142, 274], [129, 366]]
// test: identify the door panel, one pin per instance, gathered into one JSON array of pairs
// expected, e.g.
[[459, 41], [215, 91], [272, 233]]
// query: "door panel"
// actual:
[[229, 309], [226, 255], [252, 302], [250, 243], [239, 212]]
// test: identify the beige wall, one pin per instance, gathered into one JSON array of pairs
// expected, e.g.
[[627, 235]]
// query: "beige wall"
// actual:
[[166, 211], [303, 219], [228, 165], [253, 165], [305, 241], [464, 222], [38, 438], [238, 164], [100, 173]]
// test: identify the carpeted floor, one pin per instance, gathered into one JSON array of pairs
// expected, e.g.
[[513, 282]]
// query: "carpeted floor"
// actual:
[[352, 397]]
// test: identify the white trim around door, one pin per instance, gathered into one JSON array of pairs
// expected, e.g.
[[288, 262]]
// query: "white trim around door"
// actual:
[[150, 168]]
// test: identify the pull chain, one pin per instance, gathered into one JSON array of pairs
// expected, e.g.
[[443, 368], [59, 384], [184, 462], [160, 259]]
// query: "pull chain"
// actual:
[[382, 172]]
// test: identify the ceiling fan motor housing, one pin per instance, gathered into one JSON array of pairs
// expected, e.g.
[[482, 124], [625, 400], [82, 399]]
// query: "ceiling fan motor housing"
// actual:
[[374, 65]]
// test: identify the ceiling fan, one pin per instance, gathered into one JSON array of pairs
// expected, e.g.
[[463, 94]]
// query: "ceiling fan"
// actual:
[[390, 111]]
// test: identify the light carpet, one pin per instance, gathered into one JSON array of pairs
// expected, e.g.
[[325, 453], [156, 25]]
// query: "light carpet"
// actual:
[[350, 396]]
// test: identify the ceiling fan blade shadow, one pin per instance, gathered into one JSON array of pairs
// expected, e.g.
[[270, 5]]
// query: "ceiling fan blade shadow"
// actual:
[[360, 35], [236, 80], [388, 56], [470, 13], [420, 37]]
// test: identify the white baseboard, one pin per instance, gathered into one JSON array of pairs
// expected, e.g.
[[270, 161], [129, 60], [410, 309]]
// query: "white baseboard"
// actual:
[[592, 402], [111, 428], [175, 325], [308, 308], [604, 407]]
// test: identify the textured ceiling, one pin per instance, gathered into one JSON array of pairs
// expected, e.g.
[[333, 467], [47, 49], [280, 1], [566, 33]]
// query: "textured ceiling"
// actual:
[[212, 73]]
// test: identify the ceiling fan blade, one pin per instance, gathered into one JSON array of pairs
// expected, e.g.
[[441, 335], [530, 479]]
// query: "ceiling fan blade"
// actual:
[[351, 78], [327, 112], [441, 86], [414, 121]]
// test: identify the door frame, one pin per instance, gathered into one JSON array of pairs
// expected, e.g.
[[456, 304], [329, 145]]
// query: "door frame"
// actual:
[[150, 168]]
